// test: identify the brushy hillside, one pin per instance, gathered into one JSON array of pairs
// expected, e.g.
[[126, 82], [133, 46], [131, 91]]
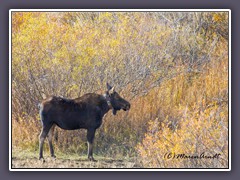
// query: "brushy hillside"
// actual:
[[171, 66], [194, 120]]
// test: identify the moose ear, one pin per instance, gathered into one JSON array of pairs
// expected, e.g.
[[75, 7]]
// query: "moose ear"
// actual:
[[111, 90], [109, 87]]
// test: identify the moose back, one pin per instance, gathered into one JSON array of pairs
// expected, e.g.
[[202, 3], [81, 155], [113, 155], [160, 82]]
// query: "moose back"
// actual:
[[85, 112]]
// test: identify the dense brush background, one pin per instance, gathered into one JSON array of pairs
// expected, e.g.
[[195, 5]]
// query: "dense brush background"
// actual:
[[171, 66]]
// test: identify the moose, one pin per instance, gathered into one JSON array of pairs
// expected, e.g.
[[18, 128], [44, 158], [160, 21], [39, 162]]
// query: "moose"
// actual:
[[85, 112]]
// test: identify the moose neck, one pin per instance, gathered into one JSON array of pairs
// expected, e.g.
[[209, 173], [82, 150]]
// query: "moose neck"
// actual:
[[96, 100], [107, 98], [107, 103]]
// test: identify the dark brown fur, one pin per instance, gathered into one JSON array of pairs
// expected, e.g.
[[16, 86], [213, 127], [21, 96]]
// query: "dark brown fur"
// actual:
[[85, 112]]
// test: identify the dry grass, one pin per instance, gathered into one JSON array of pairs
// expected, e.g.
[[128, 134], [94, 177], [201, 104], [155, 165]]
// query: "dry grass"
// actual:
[[172, 74], [30, 160], [195, 121]]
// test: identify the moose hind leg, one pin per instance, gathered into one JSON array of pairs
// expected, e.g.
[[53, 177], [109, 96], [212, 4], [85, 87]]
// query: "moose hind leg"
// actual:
[[90, 139], [50, 137], [42, 137]]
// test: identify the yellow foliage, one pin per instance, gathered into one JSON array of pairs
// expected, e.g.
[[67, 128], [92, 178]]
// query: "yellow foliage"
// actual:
[[72, 53], [198, 123]]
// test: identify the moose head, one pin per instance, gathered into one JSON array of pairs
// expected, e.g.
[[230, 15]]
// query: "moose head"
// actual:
[[116, 101]]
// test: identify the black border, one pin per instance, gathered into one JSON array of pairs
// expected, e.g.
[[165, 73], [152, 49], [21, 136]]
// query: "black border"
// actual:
[[133, 169], [234, 5]]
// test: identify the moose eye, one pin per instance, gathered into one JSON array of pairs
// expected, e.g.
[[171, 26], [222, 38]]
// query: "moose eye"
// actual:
[[114, 93]]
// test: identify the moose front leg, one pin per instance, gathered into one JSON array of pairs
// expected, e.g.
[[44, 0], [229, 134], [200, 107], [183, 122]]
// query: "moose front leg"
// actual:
[[90, 139]]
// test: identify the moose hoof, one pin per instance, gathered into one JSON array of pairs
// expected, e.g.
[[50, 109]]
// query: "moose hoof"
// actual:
[[42, 159], [92, 159], [53, 157]]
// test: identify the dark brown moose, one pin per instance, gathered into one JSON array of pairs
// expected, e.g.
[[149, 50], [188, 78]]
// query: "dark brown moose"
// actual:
[[85, 112]]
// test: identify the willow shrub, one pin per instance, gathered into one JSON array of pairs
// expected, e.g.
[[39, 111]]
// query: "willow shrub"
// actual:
[[196, 124]]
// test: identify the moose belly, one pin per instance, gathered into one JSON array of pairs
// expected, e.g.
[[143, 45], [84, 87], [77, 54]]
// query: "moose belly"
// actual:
[[69, 124], [74, 121]]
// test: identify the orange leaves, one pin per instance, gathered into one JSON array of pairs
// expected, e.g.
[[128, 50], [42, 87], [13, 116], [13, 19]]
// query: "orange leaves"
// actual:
[[220, 16], [194, 125], [169, 70], [17, 20], [196, 133]]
